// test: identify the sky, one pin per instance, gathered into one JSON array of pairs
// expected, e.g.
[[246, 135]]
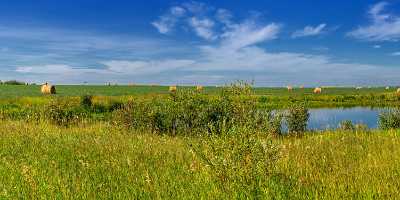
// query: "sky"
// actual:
[[269, 42]]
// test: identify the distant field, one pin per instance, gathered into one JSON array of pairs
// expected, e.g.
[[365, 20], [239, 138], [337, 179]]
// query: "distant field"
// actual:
[[10, 91]]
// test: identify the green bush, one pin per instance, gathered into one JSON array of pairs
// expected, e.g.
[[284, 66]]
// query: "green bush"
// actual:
[[87, 101], [347, 125], [238, 162], [275, 124], [296, 118], [65, 114], [187, 112], [390, 119], [13, 82]]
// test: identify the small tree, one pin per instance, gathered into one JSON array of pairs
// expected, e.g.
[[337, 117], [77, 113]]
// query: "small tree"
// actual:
[[87, 101], [297, 118]]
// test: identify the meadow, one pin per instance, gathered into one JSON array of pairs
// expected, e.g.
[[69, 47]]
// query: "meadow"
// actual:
[[142, 142]]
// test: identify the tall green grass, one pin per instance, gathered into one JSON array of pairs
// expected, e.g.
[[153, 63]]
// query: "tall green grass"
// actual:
[[98, 161]]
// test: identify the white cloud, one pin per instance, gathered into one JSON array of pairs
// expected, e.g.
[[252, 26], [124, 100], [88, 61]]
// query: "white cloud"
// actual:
[[377, 46], [45, 69], [145, 67], [224, 16], [383, 26], [247, 34], [167, 22], [395, 53], [309, 31], [203, 27]]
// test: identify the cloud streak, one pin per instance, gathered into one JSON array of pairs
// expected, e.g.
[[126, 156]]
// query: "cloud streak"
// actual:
[[383, 26], [309, 31]]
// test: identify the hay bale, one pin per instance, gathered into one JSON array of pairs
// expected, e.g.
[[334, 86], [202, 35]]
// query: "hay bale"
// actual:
[[301, 86], [199, 88], [387, 88], [358, 88], [48, 89], [289, 88], [398, 91], [318, 90], [172, 88]]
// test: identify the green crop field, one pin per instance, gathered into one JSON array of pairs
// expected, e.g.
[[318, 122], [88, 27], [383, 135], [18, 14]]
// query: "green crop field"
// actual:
[[142, 142], [7, 91]]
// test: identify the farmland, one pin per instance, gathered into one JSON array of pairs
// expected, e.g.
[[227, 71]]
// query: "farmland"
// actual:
[[9, 91], [102, 142]]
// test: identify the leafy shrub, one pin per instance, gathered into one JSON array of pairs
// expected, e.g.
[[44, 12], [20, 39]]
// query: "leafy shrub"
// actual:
[[238, 162], [263, 99], [87, 101], [362, 128], [390, 119], [347, 125], [64, 114], [13, 82], [275, 124], [187, 112], [297, 118]]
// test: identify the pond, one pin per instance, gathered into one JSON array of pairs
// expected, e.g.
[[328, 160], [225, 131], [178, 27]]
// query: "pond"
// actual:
[[330, 118]]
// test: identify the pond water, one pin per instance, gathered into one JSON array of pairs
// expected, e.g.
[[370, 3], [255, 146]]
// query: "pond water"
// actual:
[[330, 118]]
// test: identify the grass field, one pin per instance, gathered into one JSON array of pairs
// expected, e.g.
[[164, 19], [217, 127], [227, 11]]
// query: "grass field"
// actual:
[[10, 91], [137, 142], [100, 162]]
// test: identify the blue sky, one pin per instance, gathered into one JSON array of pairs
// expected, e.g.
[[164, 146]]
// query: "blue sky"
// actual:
[[274, 43]]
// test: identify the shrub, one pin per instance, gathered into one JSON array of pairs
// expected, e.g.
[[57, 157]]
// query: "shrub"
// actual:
[[390, 119], [87, 101], [347, 125], [64, 114], [275, 123], [297, 118], [13, 82], [188, 112], [362, 128], [238, 162], [263, 99]]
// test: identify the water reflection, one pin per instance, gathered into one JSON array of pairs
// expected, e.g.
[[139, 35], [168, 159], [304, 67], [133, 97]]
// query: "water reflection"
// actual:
[[330, 118]]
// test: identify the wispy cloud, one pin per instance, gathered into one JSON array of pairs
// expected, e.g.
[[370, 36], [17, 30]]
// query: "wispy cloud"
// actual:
[[395, 53], [167, 22], [383, 26], [377, 46], [248, 33], [203, 27], [145, 67], [309, 31]]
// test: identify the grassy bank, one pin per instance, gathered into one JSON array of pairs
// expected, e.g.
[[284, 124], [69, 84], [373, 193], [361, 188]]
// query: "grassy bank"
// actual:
[[98, 161]]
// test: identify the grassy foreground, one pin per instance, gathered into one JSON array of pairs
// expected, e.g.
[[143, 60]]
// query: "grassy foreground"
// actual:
[[98, 161]]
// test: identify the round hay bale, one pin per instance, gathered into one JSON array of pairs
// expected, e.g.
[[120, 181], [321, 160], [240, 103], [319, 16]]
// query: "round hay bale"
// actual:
[[172, 88], [48, 89], [318, 90], [289, 88], [199, 88], [398, 91]]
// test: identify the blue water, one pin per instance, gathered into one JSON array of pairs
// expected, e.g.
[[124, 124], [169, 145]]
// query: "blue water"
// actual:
[[330, 118]]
